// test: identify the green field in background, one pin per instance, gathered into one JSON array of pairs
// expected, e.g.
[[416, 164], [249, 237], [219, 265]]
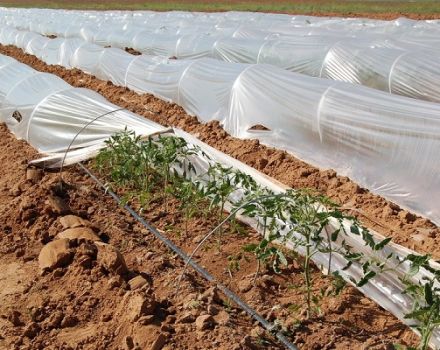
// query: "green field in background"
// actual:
[[422, 7]]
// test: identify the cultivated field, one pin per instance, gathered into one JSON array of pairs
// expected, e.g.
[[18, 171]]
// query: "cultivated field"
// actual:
[[388, 9], [162, 188]]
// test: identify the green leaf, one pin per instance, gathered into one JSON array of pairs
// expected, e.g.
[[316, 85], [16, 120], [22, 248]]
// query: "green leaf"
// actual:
[[428, 294], [263, 244], [382, 243], [355, 229], [369, 275], [334, 235]]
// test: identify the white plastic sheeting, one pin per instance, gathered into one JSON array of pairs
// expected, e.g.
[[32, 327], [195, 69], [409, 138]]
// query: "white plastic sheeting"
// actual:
[[400, 57], [47, 112], [386, 143], [54, 113]]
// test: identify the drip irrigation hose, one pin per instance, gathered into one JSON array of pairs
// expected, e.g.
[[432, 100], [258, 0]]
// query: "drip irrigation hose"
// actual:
[[270, 327]]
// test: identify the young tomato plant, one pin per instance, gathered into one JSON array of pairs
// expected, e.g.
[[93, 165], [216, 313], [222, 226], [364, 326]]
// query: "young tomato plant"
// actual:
[[173, 152], [268, 208], [265, 251], [222, 183], [426, 310], [309, 215], [127, 162], [300, 218], [425, 295], [190, 195]]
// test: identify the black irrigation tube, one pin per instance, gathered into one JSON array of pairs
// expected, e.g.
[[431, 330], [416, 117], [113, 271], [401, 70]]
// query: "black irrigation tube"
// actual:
[[205, 274]]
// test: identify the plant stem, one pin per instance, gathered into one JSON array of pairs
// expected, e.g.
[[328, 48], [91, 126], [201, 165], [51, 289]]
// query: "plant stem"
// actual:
[[222, 208], [426, 333], [330, 252], [186, 220], [307, 279]]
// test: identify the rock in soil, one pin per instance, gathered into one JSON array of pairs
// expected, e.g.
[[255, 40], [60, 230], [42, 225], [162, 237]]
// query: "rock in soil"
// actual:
[[212, 310], [16, 190], [222, 318], [110, 258], [57, 205], [145, 320], [137, 282], [73, 221], [79, 233], [69, 321], [244, 286], [31, 330], [204, 322], [14, 318], [55, 254], [159, 342], [139, 304], [128, 343], [186, 318], [34, 175]]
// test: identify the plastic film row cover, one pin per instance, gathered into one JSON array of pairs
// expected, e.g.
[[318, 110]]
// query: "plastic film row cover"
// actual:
[[53, 113], [47, 112], [386, 143], [400, 57]]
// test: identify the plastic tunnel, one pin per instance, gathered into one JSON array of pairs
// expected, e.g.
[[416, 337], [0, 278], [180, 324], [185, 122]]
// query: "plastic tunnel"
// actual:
[[368, 135], [47, 112], [400, 57]]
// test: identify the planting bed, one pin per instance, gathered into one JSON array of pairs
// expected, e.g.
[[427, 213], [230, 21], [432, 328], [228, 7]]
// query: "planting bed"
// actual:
[[90, 300], [346, 315], [385, 217]]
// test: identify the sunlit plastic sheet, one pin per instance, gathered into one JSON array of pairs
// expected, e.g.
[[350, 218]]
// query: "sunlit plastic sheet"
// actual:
[[159, 76], [36, 45], [195, 46], [12, 73], [5, 60], [75, 108], [414, 74], [373, 59], [387, 144], [22, 99], [48, 113], [86, 57], [205, 88], [368, 135], [113, 65], [155, 44], [52, 51]]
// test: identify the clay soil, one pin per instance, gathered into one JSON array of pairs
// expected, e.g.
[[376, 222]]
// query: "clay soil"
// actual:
[[375, 212], [119, 292]]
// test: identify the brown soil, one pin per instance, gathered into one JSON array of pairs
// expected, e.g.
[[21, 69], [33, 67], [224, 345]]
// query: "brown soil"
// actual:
[[132, 51], [90, 300], [375, 212]]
